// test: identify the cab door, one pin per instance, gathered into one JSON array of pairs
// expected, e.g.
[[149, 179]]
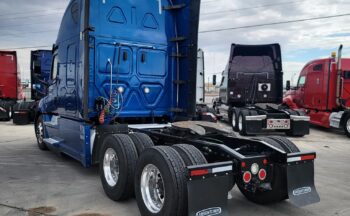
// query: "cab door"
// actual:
[[313, 87], [298, 98]]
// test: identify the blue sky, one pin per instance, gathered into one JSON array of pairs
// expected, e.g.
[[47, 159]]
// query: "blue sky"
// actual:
[[36, 22]]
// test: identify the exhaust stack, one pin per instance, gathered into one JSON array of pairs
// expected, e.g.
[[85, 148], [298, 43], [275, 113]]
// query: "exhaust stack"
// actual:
[[339, 73]]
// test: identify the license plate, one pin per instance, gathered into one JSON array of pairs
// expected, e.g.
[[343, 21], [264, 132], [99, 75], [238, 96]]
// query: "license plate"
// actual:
[[274, 124]]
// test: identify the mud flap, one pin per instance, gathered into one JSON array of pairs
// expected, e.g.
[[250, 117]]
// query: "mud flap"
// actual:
[[301, 187], [208, 187]]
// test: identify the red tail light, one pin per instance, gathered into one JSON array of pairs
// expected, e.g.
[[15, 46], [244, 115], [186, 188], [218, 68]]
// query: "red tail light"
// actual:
[[247, 176], [307, 157], [262, 174], [199, 172]]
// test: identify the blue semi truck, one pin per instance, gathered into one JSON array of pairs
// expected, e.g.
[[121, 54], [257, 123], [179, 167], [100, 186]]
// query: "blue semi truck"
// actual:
[[122, 96], [40, 75]]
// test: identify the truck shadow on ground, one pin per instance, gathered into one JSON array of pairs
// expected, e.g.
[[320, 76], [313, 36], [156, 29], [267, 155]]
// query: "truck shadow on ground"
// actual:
[[241, 206], [328, 130]]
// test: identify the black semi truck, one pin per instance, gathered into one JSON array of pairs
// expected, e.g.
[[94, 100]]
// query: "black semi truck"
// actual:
[[251, 92]]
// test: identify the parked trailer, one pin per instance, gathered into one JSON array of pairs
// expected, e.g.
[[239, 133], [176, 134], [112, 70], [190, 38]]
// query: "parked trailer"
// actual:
[[117, 69], [40, 72], [251, 92], [323, 91], [10, 84]]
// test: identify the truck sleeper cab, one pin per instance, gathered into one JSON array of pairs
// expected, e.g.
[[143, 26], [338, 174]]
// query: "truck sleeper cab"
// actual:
[[323, 91], [251, 93], [40, 72], [119, 62]]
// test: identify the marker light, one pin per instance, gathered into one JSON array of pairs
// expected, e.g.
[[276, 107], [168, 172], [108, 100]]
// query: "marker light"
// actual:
[[147, 90], [254, 168], [120, 89], [262, 174], [247, 176], [334, 54]]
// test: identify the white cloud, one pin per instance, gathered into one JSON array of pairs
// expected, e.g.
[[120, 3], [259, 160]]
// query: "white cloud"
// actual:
[[297, 39]]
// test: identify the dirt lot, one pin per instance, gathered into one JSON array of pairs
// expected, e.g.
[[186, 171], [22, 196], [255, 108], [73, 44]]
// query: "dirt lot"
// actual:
[[33, 181]]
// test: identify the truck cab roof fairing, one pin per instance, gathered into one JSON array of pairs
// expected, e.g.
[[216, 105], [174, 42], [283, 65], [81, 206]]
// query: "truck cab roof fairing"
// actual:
[[256, 64]]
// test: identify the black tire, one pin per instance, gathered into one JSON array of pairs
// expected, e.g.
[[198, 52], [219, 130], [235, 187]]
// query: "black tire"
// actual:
[[286, 143], [347, 125], [172, 170], [190, 154], [126, 152], [8, 107], [10, 113], [141, 141], [234, 117], [39, 133], [243, 114], [272, 142]]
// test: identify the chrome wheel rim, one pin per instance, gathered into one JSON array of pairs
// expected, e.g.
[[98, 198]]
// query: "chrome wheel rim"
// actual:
[[152, 188], [111, 167], [240, 123], [233, 120], [40, 132], [348, 125]]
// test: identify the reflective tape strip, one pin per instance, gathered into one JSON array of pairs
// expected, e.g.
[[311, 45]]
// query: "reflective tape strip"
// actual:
[[293, 159], [256, 118], [301, 158], [222, 169]]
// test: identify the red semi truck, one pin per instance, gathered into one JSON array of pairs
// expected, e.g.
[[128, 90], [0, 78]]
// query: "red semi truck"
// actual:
[[10, 83], [323, 91]]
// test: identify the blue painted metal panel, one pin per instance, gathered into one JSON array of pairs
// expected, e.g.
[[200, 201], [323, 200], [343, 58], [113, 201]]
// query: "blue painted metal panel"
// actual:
[[134, 37]]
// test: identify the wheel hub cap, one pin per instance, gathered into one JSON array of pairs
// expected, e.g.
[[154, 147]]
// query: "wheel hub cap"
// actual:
[[348, 125], [40, 132], [233, 120], [111, 167], [152, 188], [240, 124]]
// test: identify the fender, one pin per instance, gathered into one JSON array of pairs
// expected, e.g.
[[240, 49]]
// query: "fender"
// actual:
[[288, 100]]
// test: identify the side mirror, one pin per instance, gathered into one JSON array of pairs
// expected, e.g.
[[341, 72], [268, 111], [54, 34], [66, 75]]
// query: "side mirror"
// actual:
[[288, 85], [214, 80]]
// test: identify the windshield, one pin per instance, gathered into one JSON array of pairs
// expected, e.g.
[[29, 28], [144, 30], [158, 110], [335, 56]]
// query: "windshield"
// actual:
[[252, 64], [301, 81]]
